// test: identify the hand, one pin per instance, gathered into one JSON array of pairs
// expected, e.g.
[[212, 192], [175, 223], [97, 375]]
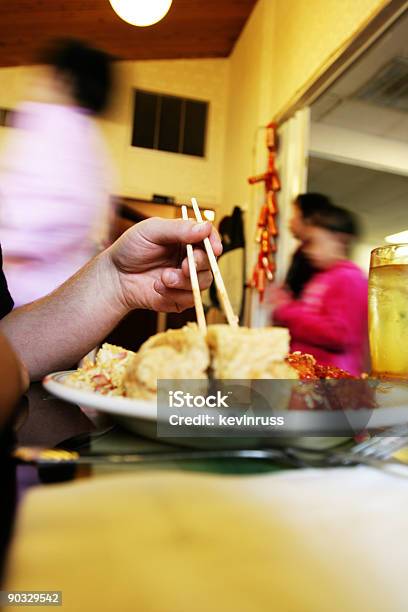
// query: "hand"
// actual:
[[151, 264], [278, 296]]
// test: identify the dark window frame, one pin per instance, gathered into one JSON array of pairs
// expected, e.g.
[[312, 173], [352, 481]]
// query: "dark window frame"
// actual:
[[6, 117], [156, 135]]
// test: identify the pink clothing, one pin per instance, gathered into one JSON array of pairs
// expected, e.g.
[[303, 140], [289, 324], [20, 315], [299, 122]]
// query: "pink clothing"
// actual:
[[54, 197], [329, 321]]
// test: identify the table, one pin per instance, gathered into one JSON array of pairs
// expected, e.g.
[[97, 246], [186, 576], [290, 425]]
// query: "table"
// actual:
[[40, 421], [43, 420], [293, 541]]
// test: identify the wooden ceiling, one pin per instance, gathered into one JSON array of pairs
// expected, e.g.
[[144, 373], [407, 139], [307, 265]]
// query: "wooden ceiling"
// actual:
[[192, 28]]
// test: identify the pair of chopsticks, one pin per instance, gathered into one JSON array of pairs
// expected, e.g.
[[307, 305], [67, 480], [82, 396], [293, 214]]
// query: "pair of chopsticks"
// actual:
[[222, 292]]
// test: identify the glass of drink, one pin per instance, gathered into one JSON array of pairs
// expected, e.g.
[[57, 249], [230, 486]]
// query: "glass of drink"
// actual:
[[388, 311]]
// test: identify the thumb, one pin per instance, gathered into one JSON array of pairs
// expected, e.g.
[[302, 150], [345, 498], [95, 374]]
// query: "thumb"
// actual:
[[171, 231], [196, 231]]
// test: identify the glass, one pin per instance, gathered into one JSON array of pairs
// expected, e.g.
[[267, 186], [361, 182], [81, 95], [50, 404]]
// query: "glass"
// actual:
[[388, 311]]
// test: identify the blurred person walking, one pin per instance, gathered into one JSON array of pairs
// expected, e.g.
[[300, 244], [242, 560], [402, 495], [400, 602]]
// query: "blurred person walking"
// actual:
[[329, 318], [301, 269], [55, 177]]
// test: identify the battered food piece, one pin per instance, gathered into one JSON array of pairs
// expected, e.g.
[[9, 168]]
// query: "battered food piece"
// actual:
[[106, 374], [233, 353], [174, 354], [244, 353], [188, 341]]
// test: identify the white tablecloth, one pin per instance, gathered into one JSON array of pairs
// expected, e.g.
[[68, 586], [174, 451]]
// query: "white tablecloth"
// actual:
[[302, 541]]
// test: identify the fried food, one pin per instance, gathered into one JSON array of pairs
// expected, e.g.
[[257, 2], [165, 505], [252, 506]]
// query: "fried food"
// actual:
[[226, 352], [106, 375], [243, 353], [175, 354], [308, 368]]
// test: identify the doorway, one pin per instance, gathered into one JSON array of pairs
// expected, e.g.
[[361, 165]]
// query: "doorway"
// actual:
[[358, 148]]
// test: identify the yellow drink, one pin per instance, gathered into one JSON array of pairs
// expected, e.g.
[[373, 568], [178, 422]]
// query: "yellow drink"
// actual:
[[388, 311]]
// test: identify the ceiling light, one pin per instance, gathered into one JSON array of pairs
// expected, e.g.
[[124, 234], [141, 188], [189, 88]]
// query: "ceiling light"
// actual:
[[209, 215], [141, 12], [401, 237]]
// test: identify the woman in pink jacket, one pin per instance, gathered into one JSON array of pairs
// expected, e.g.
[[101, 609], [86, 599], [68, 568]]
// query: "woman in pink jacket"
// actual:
[[329, 319]]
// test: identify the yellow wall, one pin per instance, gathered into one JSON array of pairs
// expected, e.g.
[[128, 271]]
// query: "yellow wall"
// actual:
[[13, 83], [284, 43], [310, 33], [250, 99], [141, 172]]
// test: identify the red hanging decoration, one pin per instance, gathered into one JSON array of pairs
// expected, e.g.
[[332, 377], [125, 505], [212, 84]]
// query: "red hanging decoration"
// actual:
[[267, 230]]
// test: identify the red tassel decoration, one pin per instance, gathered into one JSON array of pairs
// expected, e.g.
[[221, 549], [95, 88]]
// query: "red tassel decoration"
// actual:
[[267, 230]]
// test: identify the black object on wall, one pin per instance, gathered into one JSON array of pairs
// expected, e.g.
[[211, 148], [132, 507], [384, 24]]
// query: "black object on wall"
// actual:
[[169, 123], [232, 260]]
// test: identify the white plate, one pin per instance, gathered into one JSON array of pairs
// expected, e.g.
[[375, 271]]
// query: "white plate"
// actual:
[[121, 406], [140, 416]]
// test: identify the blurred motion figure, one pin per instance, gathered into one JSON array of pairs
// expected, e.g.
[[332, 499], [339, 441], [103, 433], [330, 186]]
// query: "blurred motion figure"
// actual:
[[329, 318], [55, 177], [301, 269]]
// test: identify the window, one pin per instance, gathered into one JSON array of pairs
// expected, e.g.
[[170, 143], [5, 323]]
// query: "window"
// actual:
[[168, 123], [6, 117]]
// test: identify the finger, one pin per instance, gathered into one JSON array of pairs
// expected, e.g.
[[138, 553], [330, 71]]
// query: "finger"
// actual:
[[201, 262], [173, 300], [173, 231], [216, 242], [176, 279]]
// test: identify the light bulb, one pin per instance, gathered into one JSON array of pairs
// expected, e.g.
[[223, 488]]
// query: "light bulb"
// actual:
[[141, 12], [209, 214]]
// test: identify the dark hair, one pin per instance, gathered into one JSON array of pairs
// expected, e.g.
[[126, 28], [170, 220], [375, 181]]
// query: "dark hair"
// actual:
[[319, 211], [89, 69], [301, 270], [311, 203], [299, 274], [336, 219]]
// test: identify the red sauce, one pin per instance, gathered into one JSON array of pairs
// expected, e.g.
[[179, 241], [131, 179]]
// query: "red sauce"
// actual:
[[308, 368]]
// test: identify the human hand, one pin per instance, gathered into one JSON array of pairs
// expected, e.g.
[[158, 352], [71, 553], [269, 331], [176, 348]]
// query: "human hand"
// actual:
[[151, 265], [278, 296]]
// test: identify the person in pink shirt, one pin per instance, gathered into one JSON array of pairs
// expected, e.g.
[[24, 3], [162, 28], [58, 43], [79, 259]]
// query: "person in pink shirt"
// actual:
[[55, 175], [329, 319]]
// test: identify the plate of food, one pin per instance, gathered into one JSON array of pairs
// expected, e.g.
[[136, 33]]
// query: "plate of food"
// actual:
[[124, 384]]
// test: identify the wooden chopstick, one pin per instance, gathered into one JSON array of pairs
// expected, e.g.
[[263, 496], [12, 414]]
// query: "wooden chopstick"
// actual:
[[198, 304], [219, 283]]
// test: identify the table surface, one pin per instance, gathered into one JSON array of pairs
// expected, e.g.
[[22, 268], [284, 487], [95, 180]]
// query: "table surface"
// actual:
[[272, 534], [41, 420], [45, 421]]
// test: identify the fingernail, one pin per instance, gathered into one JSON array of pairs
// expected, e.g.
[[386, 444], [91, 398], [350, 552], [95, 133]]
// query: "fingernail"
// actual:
[[198, 226], [172, 278]]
